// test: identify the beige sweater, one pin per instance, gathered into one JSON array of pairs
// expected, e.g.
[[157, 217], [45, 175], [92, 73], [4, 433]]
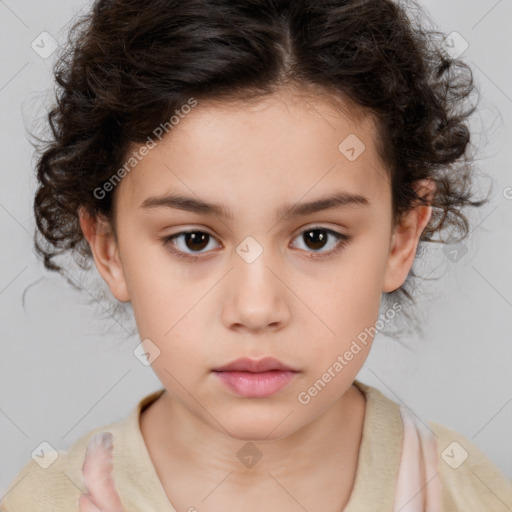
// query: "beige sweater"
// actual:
[[474, 485]]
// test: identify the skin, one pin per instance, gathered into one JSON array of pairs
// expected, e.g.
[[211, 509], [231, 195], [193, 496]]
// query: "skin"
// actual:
[[202, 314]]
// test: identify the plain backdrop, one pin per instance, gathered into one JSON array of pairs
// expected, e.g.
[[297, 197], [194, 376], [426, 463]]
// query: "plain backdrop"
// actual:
[[65, 371]]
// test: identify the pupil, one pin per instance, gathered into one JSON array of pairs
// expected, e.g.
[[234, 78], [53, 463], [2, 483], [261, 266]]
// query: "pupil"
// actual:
[[196, 237], [317, 241]]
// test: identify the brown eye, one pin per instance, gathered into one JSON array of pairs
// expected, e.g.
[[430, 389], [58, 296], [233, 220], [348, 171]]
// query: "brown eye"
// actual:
[[317, 238], [196, 240], [186, 243], [192, 244]]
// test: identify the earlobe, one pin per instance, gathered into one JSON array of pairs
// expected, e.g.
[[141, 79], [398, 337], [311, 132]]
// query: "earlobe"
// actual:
[[406, 237], [98, 233]]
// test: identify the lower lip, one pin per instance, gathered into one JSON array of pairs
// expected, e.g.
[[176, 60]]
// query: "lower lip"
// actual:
[[256, 384]]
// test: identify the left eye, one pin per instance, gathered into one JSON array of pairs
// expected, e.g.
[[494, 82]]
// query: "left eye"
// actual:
[[315, 239]]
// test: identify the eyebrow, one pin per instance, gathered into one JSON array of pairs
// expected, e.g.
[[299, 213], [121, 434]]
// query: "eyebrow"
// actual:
[[332, 201]]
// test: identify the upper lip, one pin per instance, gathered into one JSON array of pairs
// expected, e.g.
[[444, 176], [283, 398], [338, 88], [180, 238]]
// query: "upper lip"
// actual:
[[246, 364]]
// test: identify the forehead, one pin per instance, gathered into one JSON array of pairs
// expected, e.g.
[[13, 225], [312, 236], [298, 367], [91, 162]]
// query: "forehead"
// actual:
[[279, 148]]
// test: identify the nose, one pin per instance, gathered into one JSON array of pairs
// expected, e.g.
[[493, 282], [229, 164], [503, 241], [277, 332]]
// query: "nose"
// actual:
[[256, 296]]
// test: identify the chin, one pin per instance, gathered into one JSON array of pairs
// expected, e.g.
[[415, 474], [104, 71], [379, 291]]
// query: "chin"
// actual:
[[255, 424], [252, 433]]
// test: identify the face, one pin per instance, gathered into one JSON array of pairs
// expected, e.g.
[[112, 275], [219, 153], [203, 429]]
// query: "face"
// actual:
[[271, 265]]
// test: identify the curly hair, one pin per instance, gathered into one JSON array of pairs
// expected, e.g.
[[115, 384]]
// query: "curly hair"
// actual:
[[130, 64]]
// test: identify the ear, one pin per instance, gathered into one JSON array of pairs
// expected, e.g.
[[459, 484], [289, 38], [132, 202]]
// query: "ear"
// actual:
[[406, 236], [98, 232]]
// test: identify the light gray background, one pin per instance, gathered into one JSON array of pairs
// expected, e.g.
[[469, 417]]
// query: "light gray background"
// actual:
[[64, 371]]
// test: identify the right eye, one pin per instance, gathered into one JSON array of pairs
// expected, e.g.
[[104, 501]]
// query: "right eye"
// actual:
[[188, 240]]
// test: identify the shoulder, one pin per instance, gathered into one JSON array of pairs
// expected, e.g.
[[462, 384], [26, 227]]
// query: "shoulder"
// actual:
[[52, 480], [470, 480]]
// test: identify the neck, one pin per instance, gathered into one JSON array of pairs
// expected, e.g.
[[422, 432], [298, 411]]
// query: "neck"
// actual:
[[324, 451]]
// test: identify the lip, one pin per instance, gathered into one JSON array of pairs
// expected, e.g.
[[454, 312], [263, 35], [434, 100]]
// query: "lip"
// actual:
[[246, 364], [255, 378]]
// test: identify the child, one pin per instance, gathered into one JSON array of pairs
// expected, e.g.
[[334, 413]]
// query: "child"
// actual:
[[308, 147]]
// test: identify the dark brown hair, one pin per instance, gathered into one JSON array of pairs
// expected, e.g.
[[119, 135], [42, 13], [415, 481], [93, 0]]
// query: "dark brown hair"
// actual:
[[130, 64]]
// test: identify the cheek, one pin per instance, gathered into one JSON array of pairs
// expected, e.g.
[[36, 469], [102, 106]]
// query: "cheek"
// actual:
[[350, 301], [183, 357], [156, 286]]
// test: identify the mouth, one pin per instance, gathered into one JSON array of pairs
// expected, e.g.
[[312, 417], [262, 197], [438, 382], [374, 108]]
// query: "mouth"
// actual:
[[246, 364], [255, 378]]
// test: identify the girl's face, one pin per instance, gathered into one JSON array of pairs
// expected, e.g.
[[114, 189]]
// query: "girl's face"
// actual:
[[276, 266]]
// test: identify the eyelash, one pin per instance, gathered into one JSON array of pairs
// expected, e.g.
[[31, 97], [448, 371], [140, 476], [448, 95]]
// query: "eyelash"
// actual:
[[342, 242]]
